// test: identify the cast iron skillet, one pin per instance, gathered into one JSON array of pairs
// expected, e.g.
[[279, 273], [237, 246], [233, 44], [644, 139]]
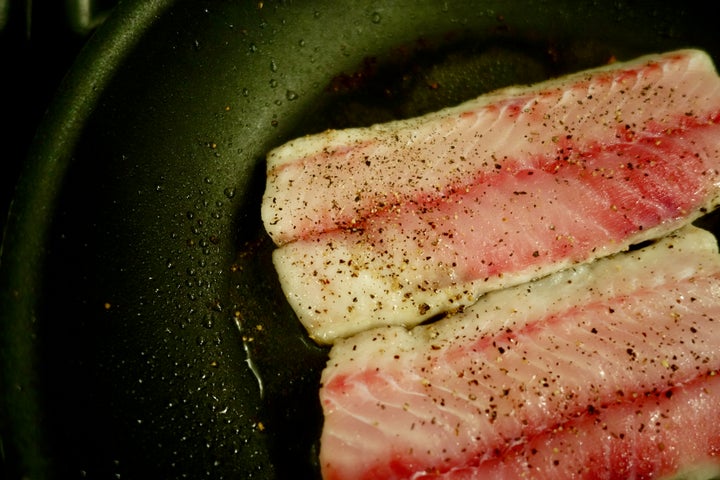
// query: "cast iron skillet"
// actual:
[[143, 331]]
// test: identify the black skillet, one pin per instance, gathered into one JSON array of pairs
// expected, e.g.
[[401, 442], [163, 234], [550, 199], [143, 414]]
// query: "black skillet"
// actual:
[[143, 332]]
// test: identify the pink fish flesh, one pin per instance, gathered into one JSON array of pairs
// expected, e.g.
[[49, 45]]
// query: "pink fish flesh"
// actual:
[[396, 223], [603, 370]]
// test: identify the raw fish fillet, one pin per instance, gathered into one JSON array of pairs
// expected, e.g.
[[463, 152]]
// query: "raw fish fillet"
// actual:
[[603, 370], [393, 224]]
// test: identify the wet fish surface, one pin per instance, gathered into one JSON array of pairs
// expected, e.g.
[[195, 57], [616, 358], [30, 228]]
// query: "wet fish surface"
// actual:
[[603, 370], [397, 223]]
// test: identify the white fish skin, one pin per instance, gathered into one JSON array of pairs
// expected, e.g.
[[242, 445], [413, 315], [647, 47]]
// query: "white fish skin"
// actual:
[[396, 223], [470, 391]]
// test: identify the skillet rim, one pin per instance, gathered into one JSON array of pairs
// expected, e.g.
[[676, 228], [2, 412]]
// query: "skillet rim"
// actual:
[[28, 219]]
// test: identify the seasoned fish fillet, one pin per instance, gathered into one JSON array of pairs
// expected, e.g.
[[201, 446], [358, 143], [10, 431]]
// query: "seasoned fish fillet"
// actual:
[[396, 223], [604, 367]]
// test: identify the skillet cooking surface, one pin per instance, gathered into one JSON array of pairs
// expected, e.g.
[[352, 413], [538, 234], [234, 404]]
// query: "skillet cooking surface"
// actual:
[[144, 331]]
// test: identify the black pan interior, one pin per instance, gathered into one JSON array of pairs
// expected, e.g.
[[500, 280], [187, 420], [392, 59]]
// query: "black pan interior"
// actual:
[[144, 331]]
